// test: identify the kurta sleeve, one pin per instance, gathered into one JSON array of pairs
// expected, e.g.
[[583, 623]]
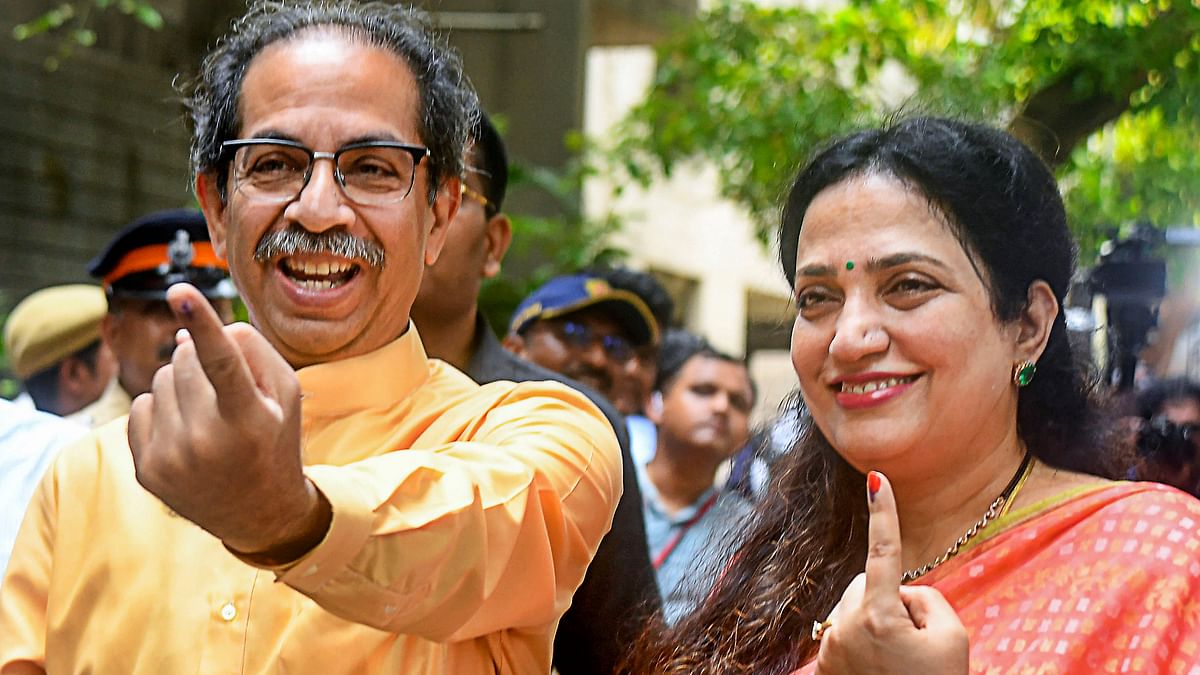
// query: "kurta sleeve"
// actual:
[[490, 532], [24, 590]]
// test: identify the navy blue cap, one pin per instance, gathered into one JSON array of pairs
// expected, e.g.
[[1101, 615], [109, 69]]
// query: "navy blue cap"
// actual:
[[158, 250], [567, 294]]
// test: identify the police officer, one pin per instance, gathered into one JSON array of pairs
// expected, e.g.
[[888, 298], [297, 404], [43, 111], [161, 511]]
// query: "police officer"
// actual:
[[136, 268], [54, 347]]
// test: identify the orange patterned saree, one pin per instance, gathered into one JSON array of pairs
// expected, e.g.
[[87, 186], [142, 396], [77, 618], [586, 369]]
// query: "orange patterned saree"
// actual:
[[1100, 580]]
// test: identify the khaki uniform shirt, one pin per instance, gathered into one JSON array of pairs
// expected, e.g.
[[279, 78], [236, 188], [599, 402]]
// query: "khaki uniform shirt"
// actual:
[[113, 403]]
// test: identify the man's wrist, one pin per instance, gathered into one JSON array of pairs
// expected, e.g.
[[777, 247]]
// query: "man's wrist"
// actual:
[[306, 533]]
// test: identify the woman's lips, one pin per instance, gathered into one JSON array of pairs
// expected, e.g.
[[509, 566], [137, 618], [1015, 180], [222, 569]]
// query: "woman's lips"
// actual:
[[871, 390]]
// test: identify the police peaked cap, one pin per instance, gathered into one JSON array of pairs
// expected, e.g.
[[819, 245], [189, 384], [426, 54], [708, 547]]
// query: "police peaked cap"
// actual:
[[145, 257]]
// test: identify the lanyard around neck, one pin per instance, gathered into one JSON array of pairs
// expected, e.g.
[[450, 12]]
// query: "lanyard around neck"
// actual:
[[683, 530]]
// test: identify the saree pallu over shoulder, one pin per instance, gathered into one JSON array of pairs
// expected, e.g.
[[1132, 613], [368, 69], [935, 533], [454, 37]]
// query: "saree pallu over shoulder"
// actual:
[[1106, 580]]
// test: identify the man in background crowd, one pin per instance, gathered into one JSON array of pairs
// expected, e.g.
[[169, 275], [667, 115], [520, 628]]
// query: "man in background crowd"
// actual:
[[618, 590], [581, 327], [1168, 434], [136, 268], [701, 405], [633, 380], [53, 342]]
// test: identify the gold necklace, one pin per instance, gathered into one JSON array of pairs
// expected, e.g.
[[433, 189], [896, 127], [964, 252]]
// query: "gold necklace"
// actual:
[[1005, 497]]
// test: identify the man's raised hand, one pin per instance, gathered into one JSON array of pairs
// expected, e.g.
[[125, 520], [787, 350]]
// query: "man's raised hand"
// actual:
[[217, 439]]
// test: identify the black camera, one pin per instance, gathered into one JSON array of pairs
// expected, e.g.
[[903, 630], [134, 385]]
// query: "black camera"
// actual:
[[1133, 280], [1131, 274], [1162, 440]]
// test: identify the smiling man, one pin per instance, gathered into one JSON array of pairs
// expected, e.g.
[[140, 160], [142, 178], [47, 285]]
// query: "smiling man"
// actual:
[[313, 494]]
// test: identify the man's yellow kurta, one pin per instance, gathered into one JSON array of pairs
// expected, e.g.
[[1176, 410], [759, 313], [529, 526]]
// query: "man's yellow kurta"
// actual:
[[463, 520]]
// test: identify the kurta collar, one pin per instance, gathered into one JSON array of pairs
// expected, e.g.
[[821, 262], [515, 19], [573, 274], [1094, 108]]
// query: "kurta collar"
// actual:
[[387, 375]]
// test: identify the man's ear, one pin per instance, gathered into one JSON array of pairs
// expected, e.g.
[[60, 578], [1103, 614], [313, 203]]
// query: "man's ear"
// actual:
[[498, 237], [208, 193], [108, 329], [444, 208], [514, 343], [1035, 322], [72, 372]]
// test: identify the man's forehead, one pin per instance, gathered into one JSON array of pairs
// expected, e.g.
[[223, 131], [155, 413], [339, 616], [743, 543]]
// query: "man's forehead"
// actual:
[[141, 306], [710, 364], [318, 68]]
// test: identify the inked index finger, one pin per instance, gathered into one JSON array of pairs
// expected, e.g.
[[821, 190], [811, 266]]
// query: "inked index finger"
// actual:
[[219, 356], [884, 567]]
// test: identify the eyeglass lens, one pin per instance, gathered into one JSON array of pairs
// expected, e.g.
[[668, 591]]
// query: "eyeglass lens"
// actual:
[[582, 336], [368, 174]]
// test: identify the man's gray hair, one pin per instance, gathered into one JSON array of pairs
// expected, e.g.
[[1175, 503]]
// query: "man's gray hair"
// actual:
[[449, 106]]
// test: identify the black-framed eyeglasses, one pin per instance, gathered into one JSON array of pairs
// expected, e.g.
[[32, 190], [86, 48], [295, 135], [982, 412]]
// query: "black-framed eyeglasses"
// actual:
[[370, 173], [581, 336]]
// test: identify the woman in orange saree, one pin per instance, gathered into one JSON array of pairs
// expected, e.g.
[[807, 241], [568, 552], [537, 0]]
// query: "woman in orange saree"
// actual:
[[929, 261], [1098, 580]]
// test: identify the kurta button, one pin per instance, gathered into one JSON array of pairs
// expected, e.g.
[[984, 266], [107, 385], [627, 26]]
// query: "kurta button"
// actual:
[[228, 611]]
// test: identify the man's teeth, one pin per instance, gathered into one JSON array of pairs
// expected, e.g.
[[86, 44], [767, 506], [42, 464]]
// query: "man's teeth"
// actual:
[[314, 284], [318, 275], [876, 385], [317, 269]]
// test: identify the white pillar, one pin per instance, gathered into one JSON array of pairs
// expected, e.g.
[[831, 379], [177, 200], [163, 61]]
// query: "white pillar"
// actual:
[[719, 313]]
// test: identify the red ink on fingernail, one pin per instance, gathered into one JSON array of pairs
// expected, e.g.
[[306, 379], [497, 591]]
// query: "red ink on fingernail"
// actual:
[[873, 485]]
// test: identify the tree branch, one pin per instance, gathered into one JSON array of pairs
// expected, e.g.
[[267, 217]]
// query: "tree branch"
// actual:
[[1056, 119]]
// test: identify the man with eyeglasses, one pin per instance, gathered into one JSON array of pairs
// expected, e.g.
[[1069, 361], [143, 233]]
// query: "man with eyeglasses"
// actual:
[[313, 494], [581, 327], [618, 592]]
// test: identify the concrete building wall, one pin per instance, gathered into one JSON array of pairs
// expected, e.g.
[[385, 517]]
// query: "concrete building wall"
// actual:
[[101, 139], [679, 228], [87, 148]]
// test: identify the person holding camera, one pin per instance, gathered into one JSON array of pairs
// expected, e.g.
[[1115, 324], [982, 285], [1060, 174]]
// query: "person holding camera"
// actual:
[[1168, 444]]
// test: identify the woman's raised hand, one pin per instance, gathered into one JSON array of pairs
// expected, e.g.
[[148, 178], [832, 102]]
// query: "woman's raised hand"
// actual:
[[880, 626]]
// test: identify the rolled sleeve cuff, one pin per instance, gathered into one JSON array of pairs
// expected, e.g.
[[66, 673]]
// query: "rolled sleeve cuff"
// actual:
[[349, 529]]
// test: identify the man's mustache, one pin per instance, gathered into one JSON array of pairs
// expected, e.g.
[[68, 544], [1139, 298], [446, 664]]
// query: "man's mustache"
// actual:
[[338, 243]]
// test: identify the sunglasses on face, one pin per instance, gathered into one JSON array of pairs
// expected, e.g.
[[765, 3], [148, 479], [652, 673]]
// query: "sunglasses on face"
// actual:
[[581, 336]]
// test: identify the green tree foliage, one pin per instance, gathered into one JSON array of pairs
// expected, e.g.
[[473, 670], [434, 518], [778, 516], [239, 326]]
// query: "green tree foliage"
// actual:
[[1107, 90], [546, 247], [71, 24]]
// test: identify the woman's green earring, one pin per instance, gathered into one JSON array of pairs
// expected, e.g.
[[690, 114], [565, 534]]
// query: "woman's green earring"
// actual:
[[1023, 373]]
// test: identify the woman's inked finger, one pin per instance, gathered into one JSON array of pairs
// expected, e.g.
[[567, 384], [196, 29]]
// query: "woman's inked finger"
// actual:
[[884, 568]]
